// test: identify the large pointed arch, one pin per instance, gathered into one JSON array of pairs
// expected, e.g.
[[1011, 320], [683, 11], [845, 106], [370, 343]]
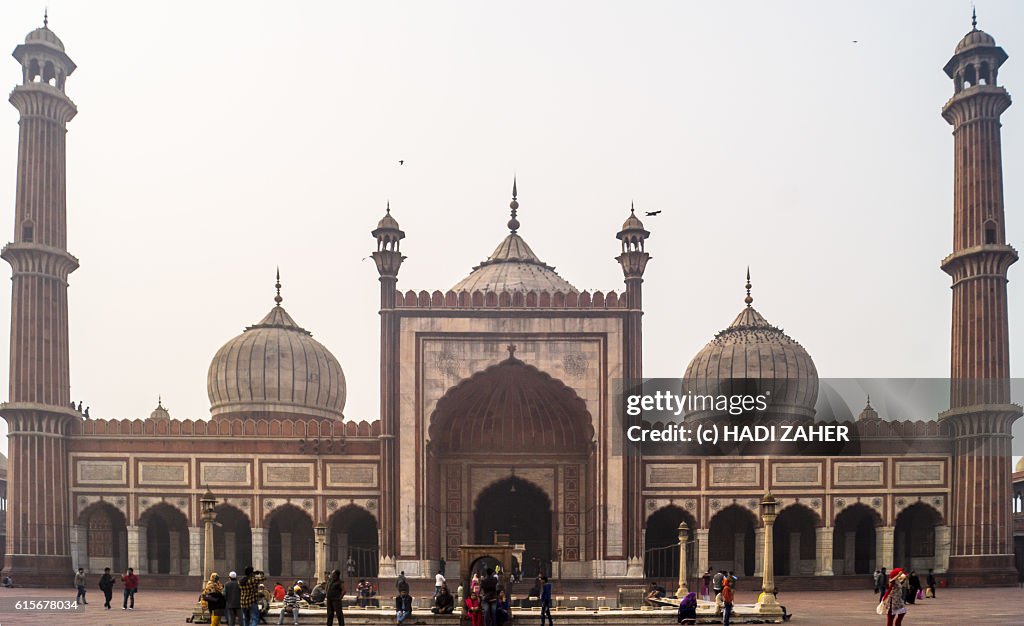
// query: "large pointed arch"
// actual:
[[513, 403]]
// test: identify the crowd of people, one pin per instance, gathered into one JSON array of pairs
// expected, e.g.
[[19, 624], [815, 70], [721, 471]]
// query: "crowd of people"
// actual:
[[130, 581]]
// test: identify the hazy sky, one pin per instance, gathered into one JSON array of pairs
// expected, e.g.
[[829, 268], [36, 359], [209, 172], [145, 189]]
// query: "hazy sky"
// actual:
[[216, 141]]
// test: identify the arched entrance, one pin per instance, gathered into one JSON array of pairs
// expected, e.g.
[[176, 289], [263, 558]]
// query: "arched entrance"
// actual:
[[106, 538], [914, 538], [661, 543], [521, 511], [794, 540], [291, 548], [166, 539], [853, 541], [526, 436], [232, 539], [731, 543], [352, 534]]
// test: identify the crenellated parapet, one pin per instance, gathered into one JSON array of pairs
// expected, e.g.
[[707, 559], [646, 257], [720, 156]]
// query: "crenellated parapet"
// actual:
[[509, 300], [298, 428]]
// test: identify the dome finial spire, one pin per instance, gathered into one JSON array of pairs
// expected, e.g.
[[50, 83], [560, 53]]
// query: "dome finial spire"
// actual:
[[513, 224], [974, 17], [46, 17], [277, 285], [749, 299]]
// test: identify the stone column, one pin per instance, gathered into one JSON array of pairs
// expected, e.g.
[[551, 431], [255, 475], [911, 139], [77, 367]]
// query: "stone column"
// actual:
[[175, 550], [739, 542], [684, 532], [823, 551], [143, 566], [758, 550], [849, 552], [78, 538], [794, 554], [767, 605], [135, 556], [702, 550], [260, 545], [195, 551], [286, 554], [883, 544], [941, 562]]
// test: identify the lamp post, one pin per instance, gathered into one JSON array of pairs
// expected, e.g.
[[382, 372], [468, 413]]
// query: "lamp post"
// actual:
[[684, 534], [321, 552], [208, 504], [766, 602]]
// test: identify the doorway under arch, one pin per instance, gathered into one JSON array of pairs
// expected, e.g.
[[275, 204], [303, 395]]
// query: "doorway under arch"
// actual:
[[106, 538], [291, 545], [794, 538], [853, 542], [522, 511], [731, 540], [232, 539], [166, 539], [352, 534], [661, 543], [914, 538]]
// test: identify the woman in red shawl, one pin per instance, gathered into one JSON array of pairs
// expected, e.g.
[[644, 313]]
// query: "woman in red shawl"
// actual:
[[473, 610], [894, 601]]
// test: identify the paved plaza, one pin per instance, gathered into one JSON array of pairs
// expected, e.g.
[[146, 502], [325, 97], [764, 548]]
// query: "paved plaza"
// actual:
[[954, 606]]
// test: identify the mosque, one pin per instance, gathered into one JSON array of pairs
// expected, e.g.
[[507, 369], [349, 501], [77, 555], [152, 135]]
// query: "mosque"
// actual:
[[514, 353]]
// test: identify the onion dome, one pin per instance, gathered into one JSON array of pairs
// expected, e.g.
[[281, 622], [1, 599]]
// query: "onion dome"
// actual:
[[976, 38], [160, 413], [754, 357], [276, 369], [46, 37], [43, 44], [513, 266], [868, 413], [632, 226]]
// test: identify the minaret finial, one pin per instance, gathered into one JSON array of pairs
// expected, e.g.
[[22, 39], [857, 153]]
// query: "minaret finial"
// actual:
[[388, 210], [974, 17], [513, 224], [869, 401], [159, 401], [632, 209], [749, 300], [46, 17], [277, 286]]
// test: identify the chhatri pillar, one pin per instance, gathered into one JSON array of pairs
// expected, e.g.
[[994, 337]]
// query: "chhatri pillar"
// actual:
[[767, 606], [684, 532]]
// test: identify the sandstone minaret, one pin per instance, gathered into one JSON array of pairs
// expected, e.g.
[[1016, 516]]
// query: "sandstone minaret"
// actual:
[[388, 258], [37, 413], [633, 260], [980, 414]]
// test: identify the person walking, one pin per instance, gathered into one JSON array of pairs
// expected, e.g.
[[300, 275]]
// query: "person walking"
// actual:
[[727, 600], [80, 585], [335, 597], [439, 581], [914, 587], [883, 583], [107, 587], [213, 597], [716, 583], [233, 600], [131, 585], [545, 600], [931, 583], [893, 604]]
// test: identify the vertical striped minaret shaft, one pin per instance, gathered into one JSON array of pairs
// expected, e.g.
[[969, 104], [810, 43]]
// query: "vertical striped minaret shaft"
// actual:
[[633, 260], [37, 412], [980, 415], [388, 258]]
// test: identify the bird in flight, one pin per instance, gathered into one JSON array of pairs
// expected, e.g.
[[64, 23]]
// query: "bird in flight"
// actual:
[[401, 162], [854, 41], [653, 213]]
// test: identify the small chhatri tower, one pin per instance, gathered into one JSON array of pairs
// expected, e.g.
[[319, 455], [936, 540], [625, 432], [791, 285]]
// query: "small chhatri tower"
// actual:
[[38, 411], [980, 412]]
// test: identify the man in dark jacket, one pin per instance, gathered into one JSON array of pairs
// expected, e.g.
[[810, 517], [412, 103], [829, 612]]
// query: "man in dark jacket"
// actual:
[[403, 604], [107, 587], [335, 597], [444, 602], [489, 598], [233, 600]]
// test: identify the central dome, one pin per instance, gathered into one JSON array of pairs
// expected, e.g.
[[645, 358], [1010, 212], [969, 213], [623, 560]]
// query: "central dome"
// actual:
[[275, 369], [752, 356], [513, 266]]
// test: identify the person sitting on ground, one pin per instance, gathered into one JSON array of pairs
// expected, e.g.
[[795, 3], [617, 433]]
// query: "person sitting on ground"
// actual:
[[291, 605], [363, 592], [651, 595], [503, 612], [263, 602], [473, 611], [403, 606], [278, 592], [8, 582], [687, 609], [318, 595], [444, 602]]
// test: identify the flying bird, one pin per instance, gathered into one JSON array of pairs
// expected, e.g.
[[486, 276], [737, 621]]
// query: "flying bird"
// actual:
[[653, 213], [401, 162]]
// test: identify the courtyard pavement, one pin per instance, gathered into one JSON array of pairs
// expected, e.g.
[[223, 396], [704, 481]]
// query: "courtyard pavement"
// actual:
[[953, 606]]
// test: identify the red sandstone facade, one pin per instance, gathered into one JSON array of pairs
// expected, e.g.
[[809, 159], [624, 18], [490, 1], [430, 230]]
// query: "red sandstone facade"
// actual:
[[513, 349]]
